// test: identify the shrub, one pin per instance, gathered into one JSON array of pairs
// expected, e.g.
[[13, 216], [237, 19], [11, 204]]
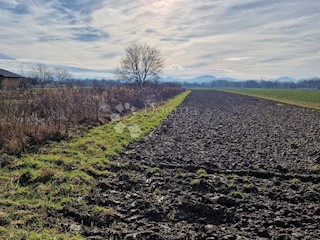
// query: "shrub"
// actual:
[[28, 118]]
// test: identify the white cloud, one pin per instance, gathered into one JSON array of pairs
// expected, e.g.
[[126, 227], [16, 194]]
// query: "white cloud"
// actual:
[[176, 67], [251, 38], [224, 70], [237, 58]]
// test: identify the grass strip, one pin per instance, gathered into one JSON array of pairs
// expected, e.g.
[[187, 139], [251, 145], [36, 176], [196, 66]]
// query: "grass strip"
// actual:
[[302, 98], [64, 172]]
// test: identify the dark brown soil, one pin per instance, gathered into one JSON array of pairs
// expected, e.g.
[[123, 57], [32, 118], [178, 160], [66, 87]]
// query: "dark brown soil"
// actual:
[[259, 178]]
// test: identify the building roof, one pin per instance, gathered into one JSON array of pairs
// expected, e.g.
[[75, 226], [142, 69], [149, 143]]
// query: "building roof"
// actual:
[[7, 74]]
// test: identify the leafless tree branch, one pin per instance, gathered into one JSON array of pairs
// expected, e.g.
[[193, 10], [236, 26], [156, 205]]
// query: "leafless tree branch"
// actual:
[[140, 64]]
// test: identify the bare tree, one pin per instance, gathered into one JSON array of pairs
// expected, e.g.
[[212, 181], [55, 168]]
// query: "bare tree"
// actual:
[[61, 75], [140, 64], [42, 74]]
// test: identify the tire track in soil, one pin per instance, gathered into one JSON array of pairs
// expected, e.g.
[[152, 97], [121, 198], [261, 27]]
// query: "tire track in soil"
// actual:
[[256, 182]]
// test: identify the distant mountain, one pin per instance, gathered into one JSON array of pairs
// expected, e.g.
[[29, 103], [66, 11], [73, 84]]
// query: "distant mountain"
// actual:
[[285, 79], [200, 79]]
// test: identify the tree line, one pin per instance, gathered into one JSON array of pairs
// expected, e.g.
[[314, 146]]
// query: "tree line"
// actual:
[[141, 64], [312, 83]]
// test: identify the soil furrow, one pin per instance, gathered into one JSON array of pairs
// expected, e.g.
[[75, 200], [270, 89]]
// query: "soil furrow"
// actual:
[[222, 166]]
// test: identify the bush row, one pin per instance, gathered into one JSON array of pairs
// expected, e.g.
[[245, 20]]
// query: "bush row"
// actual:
[[30, 117]]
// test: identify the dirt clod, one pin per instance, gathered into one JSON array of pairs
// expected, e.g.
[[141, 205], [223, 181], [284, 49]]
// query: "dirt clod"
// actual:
[[248, 150]]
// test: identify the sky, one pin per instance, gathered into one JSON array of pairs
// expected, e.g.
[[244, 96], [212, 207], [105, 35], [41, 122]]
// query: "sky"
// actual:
[[245, 39]]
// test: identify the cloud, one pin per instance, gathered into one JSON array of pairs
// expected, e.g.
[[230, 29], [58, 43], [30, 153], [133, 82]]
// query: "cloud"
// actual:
[[252, 38], [150, 30], [237, 58], [90, 37], [14, 6], [176, 67], [253, 5], [109, 55], [224, 70], [6, 57], [82, 6]]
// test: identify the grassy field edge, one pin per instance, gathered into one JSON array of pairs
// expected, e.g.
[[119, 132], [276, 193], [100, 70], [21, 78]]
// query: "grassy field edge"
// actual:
[[259, 93], [37, 184]]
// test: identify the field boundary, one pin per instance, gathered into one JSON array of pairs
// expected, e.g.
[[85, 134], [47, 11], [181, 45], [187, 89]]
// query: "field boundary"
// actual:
[[290, 102]]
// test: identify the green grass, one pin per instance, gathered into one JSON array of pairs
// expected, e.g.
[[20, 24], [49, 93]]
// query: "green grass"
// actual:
[[295, 181], [152, 171], [315, 169], [195, 182], [63, 173], [304, 98], [201, 173], [202, 88]]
